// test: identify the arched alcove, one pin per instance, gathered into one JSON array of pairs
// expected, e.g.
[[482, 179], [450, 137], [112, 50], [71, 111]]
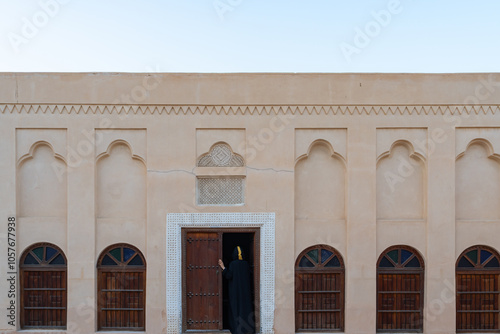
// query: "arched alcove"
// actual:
[[320, 184], [477, 178], [120, 183], [400, 183], [42, 183]]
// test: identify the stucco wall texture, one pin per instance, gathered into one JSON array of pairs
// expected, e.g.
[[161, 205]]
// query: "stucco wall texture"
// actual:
[[359, 162]]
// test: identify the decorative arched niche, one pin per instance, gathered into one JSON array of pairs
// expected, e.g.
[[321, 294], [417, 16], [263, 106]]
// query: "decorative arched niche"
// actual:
[[401, 181], [220, 177], [42, 185], [120, 183], [320, 184], [477, 182]]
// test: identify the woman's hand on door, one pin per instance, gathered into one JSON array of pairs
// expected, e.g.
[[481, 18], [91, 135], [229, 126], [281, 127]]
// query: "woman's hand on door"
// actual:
[[221, 264]]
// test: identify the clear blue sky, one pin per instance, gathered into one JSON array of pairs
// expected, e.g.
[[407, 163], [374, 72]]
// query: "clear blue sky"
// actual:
[[250, 36]]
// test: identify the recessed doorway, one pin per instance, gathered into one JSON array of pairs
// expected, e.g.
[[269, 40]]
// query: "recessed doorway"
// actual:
[[205, 291], [263, 222]]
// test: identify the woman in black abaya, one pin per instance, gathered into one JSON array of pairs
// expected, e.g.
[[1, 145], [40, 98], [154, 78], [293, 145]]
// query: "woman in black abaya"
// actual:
[[240, 299]]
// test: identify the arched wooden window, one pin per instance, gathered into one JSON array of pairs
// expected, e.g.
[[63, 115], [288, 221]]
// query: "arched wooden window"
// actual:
[[400, 290], [43, 287], [477, 279], [319, 290], [121, 285]]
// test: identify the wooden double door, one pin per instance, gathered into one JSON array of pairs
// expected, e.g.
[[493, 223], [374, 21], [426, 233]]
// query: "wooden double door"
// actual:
[[205, 297]]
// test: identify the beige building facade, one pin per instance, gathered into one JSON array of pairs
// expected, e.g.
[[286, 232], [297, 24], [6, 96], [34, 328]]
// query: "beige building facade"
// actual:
[[354, 165]]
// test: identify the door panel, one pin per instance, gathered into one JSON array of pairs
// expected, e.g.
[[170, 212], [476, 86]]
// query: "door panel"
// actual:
[[399, 301], [319, 301], [478, 302], [203, 281], [121, 300], [44, 299]]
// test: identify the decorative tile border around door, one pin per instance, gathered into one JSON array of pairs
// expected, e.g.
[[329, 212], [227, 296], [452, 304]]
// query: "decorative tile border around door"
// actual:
[[177, 221]]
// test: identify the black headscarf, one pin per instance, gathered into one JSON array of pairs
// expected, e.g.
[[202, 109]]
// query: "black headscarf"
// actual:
[[237, 253]]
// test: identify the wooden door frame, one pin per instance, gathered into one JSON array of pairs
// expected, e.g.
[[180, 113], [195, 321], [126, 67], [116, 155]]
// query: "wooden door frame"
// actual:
[[256, 273]]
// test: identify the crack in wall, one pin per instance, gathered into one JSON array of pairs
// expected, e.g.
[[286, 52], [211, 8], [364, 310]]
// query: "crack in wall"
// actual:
[[271, 169], [172, 171]]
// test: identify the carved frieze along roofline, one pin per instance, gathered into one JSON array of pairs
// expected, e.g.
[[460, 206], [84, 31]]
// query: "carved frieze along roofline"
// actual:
[[101, 109]]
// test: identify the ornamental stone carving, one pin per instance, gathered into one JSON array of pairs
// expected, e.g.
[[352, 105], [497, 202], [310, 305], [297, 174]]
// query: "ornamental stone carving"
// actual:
[[220, 155]]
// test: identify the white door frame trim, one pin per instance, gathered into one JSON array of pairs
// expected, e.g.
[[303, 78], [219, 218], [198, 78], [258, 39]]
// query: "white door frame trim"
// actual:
[[177, 221]]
